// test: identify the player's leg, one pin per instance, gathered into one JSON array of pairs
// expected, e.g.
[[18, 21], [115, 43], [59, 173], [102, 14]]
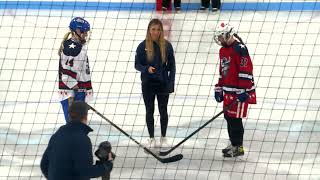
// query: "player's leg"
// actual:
[[236, 137], [65, 107], [216, 5], [165, 5], [149, 97], [177, 5], [204, 5], [226, 149], [79, 96], [162, 106], [163, 99]]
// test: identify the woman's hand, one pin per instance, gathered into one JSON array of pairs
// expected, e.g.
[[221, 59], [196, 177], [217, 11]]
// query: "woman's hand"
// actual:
[[151, 70]]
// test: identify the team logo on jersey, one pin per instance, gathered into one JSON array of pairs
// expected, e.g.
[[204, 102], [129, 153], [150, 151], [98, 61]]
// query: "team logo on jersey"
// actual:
[[242, 46], [243, 62], [72, 46], [225, 65]]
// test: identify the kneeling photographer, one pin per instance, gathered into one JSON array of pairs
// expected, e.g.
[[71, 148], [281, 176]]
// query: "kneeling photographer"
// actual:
[[69, 152]]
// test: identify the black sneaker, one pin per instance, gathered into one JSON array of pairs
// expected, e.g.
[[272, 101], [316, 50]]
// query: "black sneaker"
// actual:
[[234, 152], [177, 9], [164, 8]]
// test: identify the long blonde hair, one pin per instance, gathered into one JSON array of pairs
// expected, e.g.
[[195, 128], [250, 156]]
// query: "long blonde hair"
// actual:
[[65, 37], [162, 42]]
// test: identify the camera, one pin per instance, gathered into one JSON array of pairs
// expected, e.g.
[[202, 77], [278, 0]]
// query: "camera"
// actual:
[[103, 151]]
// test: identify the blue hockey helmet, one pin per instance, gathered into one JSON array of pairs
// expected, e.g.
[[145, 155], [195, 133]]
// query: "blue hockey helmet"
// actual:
[[79, 23]]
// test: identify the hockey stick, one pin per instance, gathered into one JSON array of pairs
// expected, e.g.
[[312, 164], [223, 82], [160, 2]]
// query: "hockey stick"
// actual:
[[163, 160], [164, 153]]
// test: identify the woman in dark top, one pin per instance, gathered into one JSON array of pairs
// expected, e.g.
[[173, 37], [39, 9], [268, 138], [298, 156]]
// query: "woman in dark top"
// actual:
[[155, 60]]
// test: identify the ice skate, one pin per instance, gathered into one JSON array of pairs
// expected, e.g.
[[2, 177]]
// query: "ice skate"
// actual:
[[226, 149], [235, 151]]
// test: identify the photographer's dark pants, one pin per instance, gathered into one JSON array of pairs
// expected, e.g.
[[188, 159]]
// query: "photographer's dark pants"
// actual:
[[235, 130], [150, 91]]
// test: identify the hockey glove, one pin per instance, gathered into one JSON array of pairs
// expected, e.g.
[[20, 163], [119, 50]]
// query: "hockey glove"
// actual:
[[218, 94], [243, 97]]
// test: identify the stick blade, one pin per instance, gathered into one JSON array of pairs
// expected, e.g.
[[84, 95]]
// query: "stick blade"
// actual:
[[174, 158], [164, 153]]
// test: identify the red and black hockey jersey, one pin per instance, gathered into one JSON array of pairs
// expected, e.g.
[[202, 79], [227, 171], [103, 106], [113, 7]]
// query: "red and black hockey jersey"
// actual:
[[236, 76]]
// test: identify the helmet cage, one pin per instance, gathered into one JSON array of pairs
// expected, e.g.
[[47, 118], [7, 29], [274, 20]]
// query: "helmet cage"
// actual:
[[223, 33]]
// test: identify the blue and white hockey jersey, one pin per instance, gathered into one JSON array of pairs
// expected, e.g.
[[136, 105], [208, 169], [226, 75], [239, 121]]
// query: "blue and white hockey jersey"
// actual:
[[74, 70]]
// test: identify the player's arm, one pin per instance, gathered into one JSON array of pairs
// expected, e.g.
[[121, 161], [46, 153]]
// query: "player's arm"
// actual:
[[171, 67], [245, 75], [140, 59], [218, 91], [220, 83]]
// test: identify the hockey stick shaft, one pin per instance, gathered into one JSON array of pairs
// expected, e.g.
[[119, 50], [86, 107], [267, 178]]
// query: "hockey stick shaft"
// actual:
[[164, 153], [163, 160]]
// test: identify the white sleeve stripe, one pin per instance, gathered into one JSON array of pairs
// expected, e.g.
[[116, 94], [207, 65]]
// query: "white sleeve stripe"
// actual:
[[236, 89], [247, 76], [238, 109], [242, 110]]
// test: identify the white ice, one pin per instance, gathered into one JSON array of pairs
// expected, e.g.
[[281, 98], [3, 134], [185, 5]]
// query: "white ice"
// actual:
[[282, 132]]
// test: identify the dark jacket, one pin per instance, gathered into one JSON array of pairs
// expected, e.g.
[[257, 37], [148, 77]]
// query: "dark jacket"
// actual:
[[69, 155], [165, 73]]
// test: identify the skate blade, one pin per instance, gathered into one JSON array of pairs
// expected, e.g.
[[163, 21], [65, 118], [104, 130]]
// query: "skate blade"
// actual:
[[234, 158]]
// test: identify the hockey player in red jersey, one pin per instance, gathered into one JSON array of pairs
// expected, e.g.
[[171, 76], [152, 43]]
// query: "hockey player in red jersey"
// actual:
[[235, 84], [74, 71]]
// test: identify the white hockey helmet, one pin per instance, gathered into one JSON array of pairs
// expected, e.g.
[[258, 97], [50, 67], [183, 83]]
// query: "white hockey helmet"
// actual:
[[223, 31]]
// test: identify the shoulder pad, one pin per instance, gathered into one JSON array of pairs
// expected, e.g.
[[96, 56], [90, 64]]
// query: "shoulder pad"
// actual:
[[71, 48], [241, 49]]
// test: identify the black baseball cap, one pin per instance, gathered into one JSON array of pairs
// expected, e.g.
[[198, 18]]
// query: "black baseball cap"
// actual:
[[78, 109]]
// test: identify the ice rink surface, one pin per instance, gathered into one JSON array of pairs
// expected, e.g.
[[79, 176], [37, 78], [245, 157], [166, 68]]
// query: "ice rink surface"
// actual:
[[282, 132]]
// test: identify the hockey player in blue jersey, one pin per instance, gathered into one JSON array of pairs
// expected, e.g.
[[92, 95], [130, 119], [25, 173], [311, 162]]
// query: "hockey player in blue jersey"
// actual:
[[74, 71]]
